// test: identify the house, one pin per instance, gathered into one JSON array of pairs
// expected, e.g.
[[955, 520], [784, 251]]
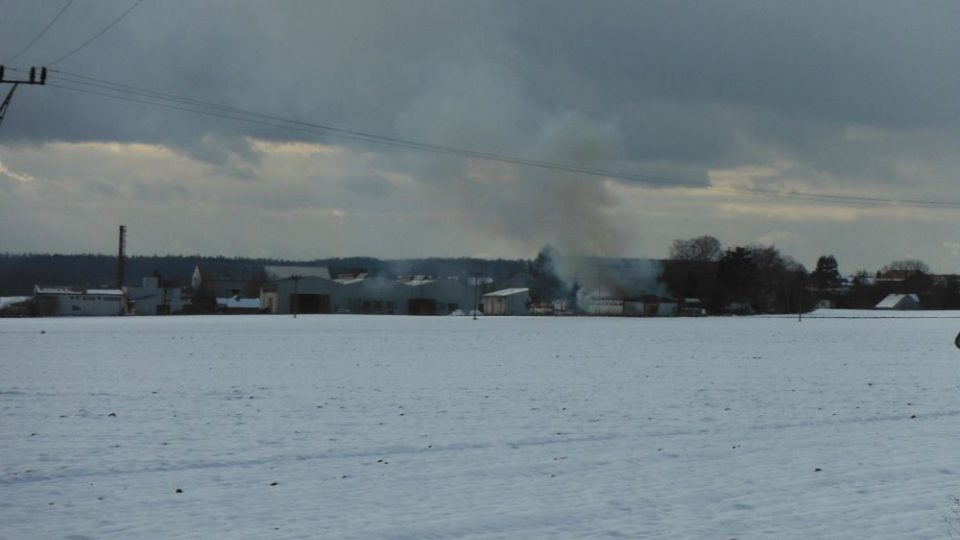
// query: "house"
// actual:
[[514, 301], [899, 301], [152, 299], [64, 302]]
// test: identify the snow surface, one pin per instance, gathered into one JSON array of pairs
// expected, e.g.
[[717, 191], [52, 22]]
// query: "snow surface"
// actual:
[[400, 427]]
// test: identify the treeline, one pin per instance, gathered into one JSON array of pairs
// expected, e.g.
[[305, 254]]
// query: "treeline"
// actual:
[[739, 279], [19, 273], [760, 279]]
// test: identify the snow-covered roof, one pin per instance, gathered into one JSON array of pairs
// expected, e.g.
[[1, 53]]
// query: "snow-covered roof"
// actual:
[[417, 280], [507, 292], [350, 281], [66, 290], [893, 300], [105, 292], [12, 300], [55, 290]]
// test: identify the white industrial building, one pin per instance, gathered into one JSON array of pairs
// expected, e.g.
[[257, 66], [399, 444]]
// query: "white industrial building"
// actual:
[[152, 299], [514, 301], [63, 302], [357, 293], [602, 305]]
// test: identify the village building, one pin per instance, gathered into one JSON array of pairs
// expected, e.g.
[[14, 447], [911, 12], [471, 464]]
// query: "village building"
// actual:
[[358, 293], [602, 305], [513, 301], [231, 280], [150, 298], [65, 302], [899, 301], [429, 296], [301, 295]]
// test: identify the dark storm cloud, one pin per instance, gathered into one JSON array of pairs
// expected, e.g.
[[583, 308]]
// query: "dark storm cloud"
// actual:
[[687, 83], [837, 96]]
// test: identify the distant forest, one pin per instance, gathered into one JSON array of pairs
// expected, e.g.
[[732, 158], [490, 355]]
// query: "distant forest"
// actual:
[[19, 273]]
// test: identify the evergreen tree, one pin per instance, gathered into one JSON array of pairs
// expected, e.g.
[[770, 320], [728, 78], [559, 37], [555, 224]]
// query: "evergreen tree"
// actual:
[[827, 273]]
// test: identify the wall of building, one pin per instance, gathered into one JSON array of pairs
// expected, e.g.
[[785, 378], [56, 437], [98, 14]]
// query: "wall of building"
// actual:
[[152, 299], [513, 304], [79, 304], [372, 296]]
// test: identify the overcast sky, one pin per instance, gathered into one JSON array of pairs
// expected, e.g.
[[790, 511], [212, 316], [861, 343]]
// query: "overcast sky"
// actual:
[[695, 100]]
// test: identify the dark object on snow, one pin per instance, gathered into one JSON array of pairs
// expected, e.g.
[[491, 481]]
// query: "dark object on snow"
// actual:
[[179, 490], [956, 341]]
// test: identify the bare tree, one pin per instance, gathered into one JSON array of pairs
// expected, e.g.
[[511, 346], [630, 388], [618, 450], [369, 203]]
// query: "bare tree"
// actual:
[[701, 248], [906, 267]]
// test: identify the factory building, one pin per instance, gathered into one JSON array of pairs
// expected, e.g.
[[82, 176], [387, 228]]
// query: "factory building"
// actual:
[[150, 298], [515, 301], [63, 302]]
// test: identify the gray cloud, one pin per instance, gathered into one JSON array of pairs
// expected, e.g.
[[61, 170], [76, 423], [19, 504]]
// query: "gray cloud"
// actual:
[[844, 97]]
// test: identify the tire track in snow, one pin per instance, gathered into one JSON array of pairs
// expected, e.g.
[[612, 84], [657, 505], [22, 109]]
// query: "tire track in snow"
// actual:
[[378, 452], [409, 450]]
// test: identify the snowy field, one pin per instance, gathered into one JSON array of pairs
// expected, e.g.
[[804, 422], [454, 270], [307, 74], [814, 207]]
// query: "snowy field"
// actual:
[[394, 427]]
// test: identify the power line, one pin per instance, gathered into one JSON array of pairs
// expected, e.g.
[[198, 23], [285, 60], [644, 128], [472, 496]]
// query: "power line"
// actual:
[[42, 32], [33, 80], [124, 92], [98, 34], [275, 121], [832, 197]]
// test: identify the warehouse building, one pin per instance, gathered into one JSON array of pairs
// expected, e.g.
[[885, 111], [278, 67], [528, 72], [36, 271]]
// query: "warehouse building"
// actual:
[[515, 301], [63, 302]]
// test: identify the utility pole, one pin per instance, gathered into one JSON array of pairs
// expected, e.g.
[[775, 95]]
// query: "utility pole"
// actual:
[[121, 256], [476, 296], [35, 78], [296, 294]]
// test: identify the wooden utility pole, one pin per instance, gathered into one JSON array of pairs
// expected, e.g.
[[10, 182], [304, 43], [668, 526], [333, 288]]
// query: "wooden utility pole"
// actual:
[[35, 78], [296, 294], [121, 257]]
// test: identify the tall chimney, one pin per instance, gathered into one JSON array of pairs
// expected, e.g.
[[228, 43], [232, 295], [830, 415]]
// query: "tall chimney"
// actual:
[[121, 255]]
